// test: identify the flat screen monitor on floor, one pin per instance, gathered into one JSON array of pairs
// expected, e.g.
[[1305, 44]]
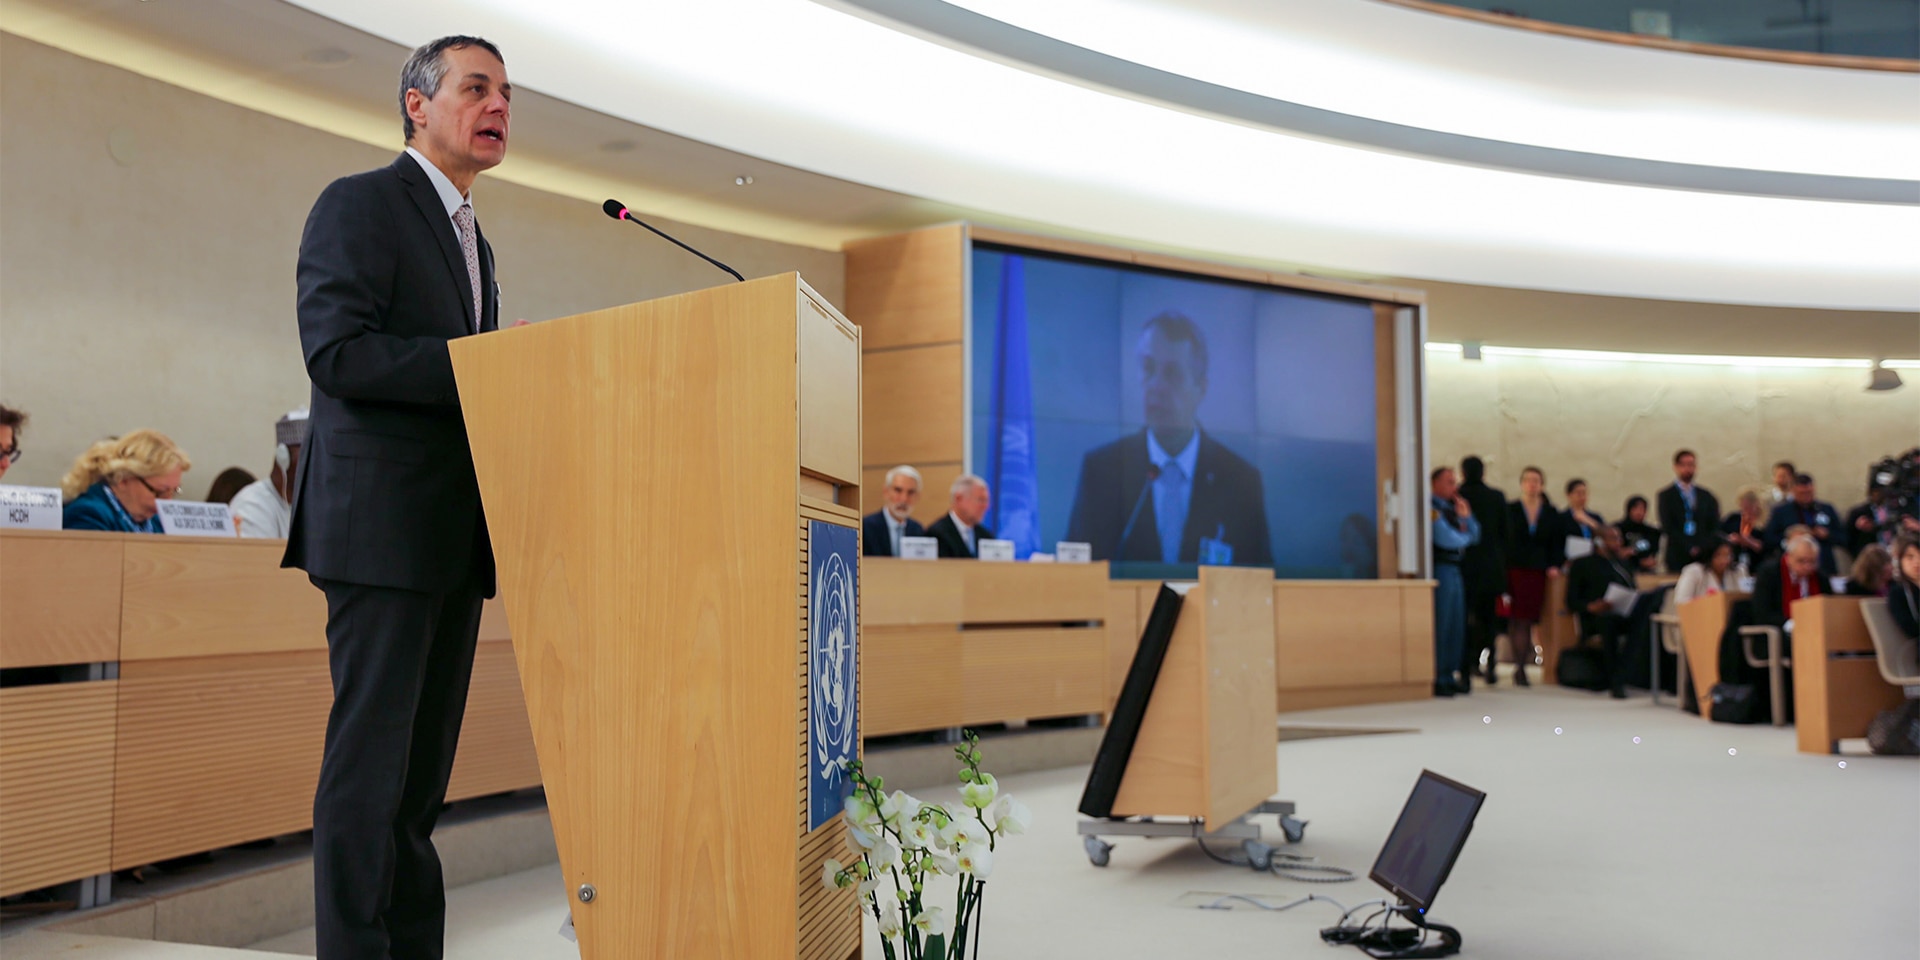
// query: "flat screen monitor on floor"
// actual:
[[1123, 727], [1427, 838]]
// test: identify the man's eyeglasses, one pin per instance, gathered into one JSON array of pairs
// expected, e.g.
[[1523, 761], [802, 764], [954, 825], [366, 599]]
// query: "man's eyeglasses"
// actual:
[[166, 493], [11, 455]]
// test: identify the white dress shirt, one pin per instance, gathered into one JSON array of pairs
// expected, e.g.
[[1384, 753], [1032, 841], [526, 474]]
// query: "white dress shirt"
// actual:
[[895, 530], [1172, 491], [261, 511], [450, 195], [966, 532]]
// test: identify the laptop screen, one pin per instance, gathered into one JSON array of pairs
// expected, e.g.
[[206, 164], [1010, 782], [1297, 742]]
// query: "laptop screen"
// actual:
[[1432, 828]]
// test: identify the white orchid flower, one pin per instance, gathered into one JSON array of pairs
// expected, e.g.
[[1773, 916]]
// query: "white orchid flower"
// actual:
[[976, 859], [933, 922], [884, 855], [889, 922], [869, 885], [980, 795], [944, 865], [898, 808], [1009, 816], [919, 836], [859, 811], [861, 838], [831, 872]]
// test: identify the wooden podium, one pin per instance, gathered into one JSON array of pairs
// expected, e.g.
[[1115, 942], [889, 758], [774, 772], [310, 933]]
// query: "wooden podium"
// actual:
[[650, 475]]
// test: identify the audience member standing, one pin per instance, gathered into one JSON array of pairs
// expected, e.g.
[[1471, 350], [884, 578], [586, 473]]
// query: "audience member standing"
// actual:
[[1871, 522], [118, 484], [1484, 570], [1782, 489], [1454, 530], [882, 529], [960, 532], [1687, 515], [1806, 509], [1580, 521], [1536, 547], [1746, 529], [1903, 596], [11, 423], [1641, 538], [1589, 580]]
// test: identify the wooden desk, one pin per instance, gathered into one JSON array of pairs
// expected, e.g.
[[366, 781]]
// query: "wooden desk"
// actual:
[[211, 736], [1336, 642], [950, 643], [1703, 621], [1837, 687]]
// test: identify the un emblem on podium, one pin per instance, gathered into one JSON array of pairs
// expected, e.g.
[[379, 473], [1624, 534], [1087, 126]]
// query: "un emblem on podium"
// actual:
[[833, 677]]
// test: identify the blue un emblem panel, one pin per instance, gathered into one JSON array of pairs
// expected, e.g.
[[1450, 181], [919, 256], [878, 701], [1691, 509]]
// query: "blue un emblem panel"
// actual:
[[833, 674]]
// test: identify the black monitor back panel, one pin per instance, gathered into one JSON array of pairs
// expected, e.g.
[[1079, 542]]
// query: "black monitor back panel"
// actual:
[[1123, 728]]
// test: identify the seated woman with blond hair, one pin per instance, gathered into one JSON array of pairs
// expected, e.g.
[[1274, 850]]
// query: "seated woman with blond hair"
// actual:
[[117, 485]]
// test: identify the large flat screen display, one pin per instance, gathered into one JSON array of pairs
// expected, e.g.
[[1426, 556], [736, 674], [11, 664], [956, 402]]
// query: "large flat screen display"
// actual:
[[1171, 419]]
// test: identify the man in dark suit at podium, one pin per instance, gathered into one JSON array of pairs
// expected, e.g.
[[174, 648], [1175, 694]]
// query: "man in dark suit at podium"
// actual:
[[960, 532], [386, 512], [882, 529], [1171, 493]]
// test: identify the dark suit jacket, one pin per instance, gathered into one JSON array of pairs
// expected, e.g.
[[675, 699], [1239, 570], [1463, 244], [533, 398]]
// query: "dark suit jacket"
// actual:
[[385, 494], [1769, 600], [1682, 549], [1227, 503], [1589, 576], [1787, 514], [952, 546], [1856, 538], [877, 541], [1485, 566], [1903, 601], [1542, 547]]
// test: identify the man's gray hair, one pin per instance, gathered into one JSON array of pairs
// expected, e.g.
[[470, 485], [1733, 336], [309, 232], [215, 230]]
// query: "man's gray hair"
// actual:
[[904, 470], [1802, 544], [964, 483], [427, 67]]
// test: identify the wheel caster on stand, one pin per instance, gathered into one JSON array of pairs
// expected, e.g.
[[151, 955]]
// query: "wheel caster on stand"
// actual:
[[1294, 828], [1099, 852]]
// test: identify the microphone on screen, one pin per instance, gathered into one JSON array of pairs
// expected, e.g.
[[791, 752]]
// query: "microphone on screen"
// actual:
[[1146, 489], [619, 211]]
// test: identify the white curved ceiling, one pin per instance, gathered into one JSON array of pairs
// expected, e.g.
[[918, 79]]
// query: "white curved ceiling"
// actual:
[[804, 84]]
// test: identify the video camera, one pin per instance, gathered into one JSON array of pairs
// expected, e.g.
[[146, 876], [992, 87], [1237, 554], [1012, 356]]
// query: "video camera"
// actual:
[[1897, 480]]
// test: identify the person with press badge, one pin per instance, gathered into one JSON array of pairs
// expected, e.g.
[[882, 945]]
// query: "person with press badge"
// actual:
[[1642, 538], [1689, 515], [1820, 518]]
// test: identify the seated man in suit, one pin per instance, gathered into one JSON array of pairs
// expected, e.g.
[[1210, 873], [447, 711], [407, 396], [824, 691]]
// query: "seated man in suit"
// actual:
[[1781, 581], [882, 529], [1804, 508], [1587, 582], [960, 532], [1171, 493]]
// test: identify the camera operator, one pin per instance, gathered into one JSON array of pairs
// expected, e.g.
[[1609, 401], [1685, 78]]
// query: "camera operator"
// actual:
[[1893, 503]]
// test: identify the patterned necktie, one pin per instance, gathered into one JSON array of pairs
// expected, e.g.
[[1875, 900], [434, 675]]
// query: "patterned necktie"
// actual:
[[1170, 510], [470, 246]]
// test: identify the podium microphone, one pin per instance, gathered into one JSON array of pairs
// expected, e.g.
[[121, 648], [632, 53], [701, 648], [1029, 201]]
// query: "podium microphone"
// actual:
[[1153, 474], [618, 211]]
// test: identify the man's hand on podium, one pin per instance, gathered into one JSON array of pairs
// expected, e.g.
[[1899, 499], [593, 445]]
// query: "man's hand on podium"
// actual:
[[523, 321]]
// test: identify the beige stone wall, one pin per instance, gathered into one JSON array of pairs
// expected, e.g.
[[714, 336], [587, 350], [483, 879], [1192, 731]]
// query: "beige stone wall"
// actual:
[[147, 246], [1617, 425]]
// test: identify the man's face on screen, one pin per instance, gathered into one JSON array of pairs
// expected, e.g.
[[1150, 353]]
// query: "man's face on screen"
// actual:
[[1170, 380]]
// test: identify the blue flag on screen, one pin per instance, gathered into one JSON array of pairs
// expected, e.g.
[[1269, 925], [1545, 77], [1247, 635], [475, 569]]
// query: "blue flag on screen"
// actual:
[[1012, 473], [833, 667]]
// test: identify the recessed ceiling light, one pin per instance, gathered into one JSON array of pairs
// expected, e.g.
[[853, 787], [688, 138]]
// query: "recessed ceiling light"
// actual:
[[743, 181], [327, 56], [618, 146]]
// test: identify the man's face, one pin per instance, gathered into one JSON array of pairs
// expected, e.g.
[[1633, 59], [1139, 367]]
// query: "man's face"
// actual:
[[1683, 468], [6, 449], [1610, 543], [1445, 485], [1803, 562], [1803, 494], [972, 505], [465, 122], [1171, 381], [1782, 477], [902, 493]]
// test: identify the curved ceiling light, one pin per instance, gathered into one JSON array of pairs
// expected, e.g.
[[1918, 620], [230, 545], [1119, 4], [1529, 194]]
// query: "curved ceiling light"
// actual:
[[1618, 146], [815, 88], [1399, 66]]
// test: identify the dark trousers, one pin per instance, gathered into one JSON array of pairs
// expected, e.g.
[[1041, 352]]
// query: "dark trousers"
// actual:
[[1482, 625], [401, 662], [1612, 630]]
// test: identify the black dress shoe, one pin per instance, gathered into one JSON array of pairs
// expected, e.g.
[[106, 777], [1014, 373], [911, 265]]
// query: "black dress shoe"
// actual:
[[1441, 688], [1617, 693]]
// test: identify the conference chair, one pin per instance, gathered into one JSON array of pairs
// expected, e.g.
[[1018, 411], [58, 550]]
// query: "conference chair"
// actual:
[[1666, 626], [1776, 661], [1899, 657]]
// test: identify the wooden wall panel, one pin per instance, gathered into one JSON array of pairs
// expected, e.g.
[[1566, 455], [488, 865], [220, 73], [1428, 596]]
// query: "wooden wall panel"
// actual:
[[908, 289], [1416, 631], [496, 742], [905, 592], [201, 598], [1124, 623], [1337, 633], [216, 751], [907, 679], [917, 406], [61, 597], [56, 783], [1021, 674]]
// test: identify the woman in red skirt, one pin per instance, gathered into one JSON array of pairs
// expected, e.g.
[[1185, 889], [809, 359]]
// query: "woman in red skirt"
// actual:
[[1536, 547]]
